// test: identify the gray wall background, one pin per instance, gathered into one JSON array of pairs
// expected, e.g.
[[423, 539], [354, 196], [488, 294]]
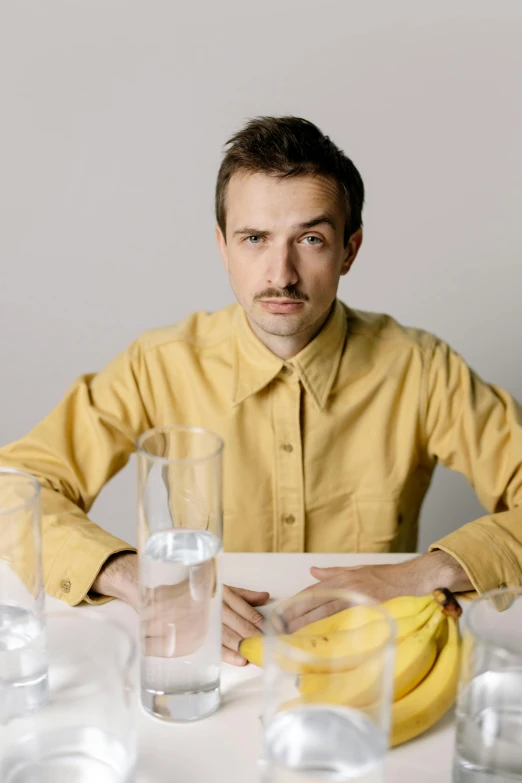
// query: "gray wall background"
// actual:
[[113, 115]]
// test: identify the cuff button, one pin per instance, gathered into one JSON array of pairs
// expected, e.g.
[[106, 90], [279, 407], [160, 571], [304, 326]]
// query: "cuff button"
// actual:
[[65, 586]]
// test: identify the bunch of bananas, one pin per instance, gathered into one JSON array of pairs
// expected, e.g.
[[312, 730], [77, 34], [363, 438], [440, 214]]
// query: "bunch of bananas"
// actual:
[[337, 666]]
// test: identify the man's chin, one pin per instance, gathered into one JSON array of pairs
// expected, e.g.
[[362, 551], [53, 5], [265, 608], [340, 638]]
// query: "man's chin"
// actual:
[[281, 325]]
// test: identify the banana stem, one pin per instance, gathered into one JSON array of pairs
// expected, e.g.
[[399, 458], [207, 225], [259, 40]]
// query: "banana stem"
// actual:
[[448, 602]]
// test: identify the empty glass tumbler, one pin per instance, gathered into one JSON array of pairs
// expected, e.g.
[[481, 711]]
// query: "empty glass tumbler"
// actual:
[[489, 707], [23, 667], [86, 730], [180, 538], [328, 689]]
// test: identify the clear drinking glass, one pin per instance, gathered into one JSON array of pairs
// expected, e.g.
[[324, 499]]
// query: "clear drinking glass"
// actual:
[[85, 732], [180, 536], [23, 667], [328, 691], [489, 707]]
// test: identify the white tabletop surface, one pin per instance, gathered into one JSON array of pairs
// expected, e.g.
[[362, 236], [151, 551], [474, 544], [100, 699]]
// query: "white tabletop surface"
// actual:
[[225, 747]]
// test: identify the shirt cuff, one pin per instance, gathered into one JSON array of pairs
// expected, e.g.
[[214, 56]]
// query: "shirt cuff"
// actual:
[[78, 563], [488, 564]]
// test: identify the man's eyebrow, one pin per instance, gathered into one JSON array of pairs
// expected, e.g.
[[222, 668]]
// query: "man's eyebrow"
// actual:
[[256, 232], [325, 218]]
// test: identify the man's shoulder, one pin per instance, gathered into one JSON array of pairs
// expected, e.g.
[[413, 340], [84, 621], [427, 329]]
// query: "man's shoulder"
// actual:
[[199, 330], [384, 328]]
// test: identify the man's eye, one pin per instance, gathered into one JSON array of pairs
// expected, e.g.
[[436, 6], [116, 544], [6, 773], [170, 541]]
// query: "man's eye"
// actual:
[[315, 240], [254, 239]]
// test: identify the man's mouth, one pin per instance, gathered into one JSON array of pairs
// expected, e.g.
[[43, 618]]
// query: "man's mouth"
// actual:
[[281, 305]]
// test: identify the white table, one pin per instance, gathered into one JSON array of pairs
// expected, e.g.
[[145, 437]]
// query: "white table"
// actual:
[[224, 748]]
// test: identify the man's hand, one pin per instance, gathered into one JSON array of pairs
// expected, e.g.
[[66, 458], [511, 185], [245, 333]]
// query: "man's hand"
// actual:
[[240, 620], [174, 620], [418, 576]]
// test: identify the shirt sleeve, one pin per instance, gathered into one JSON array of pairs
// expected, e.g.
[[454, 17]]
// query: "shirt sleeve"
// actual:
[[73, 453], [476, 429]]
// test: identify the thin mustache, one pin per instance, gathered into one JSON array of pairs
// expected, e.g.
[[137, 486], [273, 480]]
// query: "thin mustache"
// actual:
[[286, 293]]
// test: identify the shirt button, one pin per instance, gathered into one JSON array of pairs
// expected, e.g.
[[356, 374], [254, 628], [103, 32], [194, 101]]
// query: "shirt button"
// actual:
[[65, 586], [287, 447], [286, 370], [289, 519]]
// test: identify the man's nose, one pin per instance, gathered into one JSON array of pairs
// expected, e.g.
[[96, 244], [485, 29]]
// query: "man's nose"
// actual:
[[282, 271]]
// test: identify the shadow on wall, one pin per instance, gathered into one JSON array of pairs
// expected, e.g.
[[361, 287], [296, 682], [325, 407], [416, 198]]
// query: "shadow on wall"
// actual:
[[449, 504]]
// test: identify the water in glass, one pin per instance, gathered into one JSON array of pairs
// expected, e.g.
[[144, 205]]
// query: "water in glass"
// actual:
[[308, 744], [23, 663], [489, 735], [80, 754], [181, 624]]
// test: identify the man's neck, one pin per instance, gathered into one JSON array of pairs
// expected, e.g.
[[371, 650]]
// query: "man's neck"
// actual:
[[286, 347]]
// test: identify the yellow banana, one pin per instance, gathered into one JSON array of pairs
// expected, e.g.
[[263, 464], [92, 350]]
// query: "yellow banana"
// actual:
[[356, 616], [251, 648], [431, 699], [359, 687], [336, 651], [408, 625], [416, 655]]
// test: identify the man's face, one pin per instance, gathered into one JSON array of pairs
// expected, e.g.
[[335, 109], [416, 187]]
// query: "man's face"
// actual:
[[284, 249]]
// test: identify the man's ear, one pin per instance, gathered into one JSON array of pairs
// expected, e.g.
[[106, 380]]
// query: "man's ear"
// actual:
[[222, 245], [351, 250]]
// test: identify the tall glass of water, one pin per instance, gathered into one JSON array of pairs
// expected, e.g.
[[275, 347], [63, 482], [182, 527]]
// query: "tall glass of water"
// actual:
[[328, 689], [180, 537], [85, 731], [23, 668], [489, 707]]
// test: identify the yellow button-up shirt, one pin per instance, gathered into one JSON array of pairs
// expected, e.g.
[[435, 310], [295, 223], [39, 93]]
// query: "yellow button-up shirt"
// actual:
[[332, 451]]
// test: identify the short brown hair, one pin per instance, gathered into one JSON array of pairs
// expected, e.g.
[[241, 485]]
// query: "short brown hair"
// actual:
[[289, 147]]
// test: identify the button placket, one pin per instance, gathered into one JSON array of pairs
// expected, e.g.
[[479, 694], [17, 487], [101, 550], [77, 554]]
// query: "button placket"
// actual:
[[289, 485]]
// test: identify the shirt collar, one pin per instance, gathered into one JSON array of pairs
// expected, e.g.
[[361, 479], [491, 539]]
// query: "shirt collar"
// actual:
[[255, 366]]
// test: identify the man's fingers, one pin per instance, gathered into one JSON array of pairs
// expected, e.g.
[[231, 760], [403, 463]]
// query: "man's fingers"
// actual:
[[305, 603], [242, 608], [317, 613], [253, 597], [325, 573], [229, 656], [239, 624], [230, 638]]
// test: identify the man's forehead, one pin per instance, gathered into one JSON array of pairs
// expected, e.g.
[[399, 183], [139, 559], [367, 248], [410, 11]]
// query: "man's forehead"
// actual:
[[276, 195]]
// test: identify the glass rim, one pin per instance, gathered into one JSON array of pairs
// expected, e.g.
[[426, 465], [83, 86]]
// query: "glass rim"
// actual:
[[30, 480], [82, 617], [359, 599], [480, 601], [140, 449]]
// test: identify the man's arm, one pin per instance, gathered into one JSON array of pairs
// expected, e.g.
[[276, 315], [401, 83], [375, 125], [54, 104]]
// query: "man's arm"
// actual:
[[476, 429], [118, 578], [73, 453]]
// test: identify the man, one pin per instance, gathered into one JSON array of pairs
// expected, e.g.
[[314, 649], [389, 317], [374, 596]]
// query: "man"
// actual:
[[333, 419]]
